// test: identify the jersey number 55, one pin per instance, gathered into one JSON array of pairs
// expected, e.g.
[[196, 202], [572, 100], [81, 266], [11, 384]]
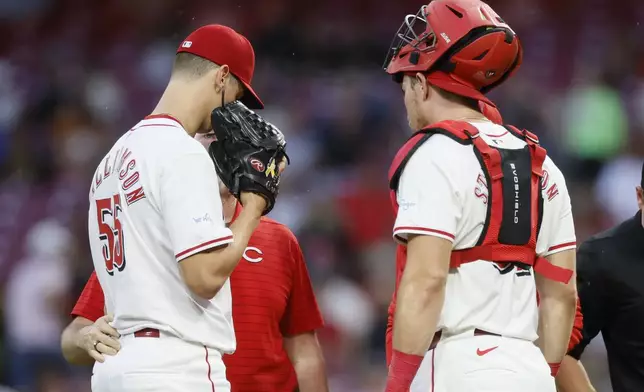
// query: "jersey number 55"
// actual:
[[111, 232]]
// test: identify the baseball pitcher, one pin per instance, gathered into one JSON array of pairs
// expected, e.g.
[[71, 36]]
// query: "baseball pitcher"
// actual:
[[160, 248]]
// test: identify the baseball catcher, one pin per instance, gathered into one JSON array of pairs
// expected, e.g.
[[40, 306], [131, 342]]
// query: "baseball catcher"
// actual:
[[247, 152], [483, 217]]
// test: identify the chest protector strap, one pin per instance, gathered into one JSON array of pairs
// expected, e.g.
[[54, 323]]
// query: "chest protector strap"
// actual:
[[515, 202]]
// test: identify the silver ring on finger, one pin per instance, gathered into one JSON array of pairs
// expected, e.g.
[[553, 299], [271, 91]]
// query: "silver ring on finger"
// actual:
[[96, 345]]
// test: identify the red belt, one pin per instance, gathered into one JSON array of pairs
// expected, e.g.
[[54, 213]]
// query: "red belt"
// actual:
[[147, 333], [477, 332]]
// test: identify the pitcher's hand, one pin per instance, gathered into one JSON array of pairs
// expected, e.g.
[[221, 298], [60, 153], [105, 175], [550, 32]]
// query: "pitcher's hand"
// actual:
[[99, 339]]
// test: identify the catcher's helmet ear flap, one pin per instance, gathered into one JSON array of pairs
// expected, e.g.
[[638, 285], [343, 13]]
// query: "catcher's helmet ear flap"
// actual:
[[465, 38]]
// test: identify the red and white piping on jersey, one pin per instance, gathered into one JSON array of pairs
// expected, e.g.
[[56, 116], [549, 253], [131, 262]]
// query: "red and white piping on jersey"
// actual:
[[421, 231], [204, 246]]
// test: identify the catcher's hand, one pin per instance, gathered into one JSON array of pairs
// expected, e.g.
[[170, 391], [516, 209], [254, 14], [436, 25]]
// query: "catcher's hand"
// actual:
[[247, 152]]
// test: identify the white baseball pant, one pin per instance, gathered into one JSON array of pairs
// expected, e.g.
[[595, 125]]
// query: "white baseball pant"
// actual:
[[485, 363], [160, 364]]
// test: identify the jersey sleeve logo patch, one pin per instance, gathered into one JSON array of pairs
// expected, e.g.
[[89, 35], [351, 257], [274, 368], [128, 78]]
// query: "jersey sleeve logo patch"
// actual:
[[405, 204], [202, 219]]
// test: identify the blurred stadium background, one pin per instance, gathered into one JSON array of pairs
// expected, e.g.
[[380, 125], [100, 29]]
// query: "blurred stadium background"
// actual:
[[76, 74]]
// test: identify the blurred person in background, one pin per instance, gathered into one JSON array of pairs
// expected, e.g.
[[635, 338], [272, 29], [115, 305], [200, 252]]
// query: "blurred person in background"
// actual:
[[477, 215], [34, 298], [610, 272], [275, 314]]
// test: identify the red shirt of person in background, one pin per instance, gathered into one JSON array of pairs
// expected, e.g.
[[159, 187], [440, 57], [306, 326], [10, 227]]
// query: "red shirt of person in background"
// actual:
[[272, 299]]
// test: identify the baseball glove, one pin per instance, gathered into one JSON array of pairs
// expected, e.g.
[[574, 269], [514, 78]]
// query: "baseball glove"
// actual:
[[247, 152]]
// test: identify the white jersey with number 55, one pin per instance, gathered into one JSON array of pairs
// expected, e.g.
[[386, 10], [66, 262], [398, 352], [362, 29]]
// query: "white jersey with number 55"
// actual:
[[154, 201]]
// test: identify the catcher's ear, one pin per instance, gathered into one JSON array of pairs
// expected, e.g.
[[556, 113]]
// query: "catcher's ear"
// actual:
[[421, 82]]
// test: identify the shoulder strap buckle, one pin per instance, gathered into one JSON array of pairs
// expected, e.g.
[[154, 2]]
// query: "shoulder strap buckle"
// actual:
[[530, 136], [471, 135]]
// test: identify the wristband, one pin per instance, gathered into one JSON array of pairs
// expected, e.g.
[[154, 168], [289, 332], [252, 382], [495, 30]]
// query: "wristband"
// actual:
[[554, 368], [402, 371]]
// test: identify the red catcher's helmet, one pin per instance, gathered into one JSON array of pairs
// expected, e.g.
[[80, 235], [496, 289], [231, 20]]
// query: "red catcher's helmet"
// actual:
[[462, 45]]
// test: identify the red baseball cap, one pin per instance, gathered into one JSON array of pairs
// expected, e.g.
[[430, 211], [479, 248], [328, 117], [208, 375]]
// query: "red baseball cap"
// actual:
[[223, 45]]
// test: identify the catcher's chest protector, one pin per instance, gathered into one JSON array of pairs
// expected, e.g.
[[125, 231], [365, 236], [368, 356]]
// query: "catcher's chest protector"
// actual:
[[513, 218]]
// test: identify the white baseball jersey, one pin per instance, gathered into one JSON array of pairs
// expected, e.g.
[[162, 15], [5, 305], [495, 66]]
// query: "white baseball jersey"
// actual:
[[154, 201], [443, 192]]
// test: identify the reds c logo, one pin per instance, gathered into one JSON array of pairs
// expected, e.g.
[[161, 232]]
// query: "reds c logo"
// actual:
[[257, 164], [251, 259]]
